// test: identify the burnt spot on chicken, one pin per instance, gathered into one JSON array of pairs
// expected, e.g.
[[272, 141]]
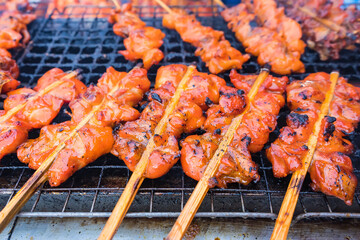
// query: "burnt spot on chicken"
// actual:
[[299, 120]]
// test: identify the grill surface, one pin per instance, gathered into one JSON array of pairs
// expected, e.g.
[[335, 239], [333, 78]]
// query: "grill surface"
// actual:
[[79, 39]]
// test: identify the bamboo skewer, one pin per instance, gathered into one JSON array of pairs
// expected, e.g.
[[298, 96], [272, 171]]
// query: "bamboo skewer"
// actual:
[[286, 213], [164, 6], [137, 177], [220, 3], [330, 24], [326, 22], [40, 177], [117, 4], [196, 198], [41, 93]]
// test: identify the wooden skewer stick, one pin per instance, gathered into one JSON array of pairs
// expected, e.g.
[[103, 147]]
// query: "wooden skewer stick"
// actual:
[[330, 24], [194, 202], [220, 3], [41, 93], [137, 176], [286, 213], [164, 6], [39, 177], [117, 4]]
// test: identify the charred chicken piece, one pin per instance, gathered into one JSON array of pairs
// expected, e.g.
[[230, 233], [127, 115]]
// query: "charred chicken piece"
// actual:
[[331, 170], [131, 139], [250, 137]]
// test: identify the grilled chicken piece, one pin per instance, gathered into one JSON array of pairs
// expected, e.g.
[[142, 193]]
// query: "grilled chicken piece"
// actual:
[[211, 44], [110, 102], [141, 42], [131, 139], [37, 112], [13, 29], [9, 71], [326, 41], [7, 82], [9, 65], [331, 170], [250, 137], [275, 39]]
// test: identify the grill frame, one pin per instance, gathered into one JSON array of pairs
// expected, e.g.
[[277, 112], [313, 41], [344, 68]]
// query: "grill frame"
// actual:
[[236, 201]]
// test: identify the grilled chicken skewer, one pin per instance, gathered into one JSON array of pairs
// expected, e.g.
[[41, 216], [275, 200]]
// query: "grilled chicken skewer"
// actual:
[[324, 110], [250, 136], [327, 27], [150, 149], [26, 108], [141, 41], [62, 149], [275, 40], [211, 44], [216, 159]]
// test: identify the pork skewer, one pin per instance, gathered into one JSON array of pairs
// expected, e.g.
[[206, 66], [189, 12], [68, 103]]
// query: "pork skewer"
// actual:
[[66, 147], [289, 203], [141, 41], [212, 47], [194, 202]]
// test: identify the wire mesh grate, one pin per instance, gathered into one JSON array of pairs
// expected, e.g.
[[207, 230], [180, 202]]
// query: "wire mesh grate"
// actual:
[[81, 38]]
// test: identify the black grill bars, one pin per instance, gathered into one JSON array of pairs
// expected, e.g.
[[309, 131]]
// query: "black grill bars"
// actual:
[[81, 38]]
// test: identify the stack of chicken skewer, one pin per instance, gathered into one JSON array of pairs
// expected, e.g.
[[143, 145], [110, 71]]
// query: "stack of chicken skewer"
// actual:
[[237, 122]]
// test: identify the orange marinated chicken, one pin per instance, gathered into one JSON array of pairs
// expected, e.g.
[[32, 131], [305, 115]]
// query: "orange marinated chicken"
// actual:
[[325, 40], [131, 139], [107, 103], [250, 137], [331, 170], [211, 44], [37, 112], [13, 29], [275, 41], [274, 18], [5, 53], [141, 41], [9, 65], [7, 82]]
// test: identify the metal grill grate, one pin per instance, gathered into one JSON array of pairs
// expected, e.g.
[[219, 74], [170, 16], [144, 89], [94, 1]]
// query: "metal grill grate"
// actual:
[[79, 39]]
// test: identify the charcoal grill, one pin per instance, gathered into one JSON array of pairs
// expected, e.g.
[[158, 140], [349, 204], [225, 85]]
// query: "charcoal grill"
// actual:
[[81, 38]]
